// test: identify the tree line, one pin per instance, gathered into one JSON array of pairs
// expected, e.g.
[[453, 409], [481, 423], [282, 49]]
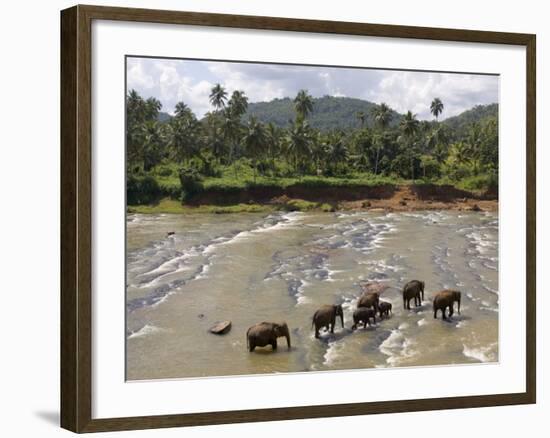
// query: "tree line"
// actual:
[[224, 140]]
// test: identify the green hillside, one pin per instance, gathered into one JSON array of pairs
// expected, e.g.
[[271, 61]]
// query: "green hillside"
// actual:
[[329, 112], [463, 121]]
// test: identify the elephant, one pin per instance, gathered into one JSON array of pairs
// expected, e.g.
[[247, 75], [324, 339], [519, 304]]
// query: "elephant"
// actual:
[[446, 298], [385, 309], [325, 316], [266, 333], [413, 289], [369, 299], [364, 315]]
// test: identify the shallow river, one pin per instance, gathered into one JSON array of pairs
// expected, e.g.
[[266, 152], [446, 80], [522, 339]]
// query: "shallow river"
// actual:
[[249, 268]]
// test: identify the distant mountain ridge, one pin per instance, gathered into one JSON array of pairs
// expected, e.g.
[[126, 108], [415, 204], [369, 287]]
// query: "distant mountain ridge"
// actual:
[[461, 121], [331, 112]]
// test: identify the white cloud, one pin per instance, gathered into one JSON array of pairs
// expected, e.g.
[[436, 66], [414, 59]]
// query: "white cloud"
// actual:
[[191, 81], [414, 91], [196, 96], [136, 76]]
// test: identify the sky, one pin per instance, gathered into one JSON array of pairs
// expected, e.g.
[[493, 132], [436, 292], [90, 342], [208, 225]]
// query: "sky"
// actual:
[[190, 81]]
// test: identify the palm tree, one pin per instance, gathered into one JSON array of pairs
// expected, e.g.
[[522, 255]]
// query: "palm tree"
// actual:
[[135, 119], [319, 152], [361, 117], [382, 117], [218, 96], [238, 104], [409, 126], [298, 142], [338, 151], [152, 108], [231, 130], [303, 104], [185, 137], [273, 141], [182, 110], [254, 141], [153, 144], [436, 107]]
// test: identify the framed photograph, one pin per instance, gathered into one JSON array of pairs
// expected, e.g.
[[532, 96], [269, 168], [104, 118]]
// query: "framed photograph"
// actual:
[[269, 218]]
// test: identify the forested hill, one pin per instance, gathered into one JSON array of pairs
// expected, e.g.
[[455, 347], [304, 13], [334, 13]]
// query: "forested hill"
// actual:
[[461, 122], [329, 112]]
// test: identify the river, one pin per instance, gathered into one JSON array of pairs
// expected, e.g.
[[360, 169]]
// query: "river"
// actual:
[[249, 268]]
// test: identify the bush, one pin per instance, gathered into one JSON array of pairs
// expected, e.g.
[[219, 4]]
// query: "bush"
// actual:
[[191, 183], [141, 189], [164, 171], [486, 182]]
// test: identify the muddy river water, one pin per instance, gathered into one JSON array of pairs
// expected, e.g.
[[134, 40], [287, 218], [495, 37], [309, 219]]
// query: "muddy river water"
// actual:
[[249, 268]]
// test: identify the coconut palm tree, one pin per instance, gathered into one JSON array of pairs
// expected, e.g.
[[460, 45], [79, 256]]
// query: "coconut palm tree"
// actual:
[[298, 142], [154, 142], [185, 133], [218, 97], [382, 115], [436, 107], [409, 126], [361, 117], [231, 129], [152, 108], [182, 110], [273, 137], [338, 151], [303, 104], [254, 141], [238, 104]]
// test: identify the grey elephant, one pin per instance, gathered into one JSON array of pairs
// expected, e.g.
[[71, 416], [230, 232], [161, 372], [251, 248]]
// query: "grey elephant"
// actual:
[[266, 333], [446, 298], [413, 289], [384, 308], [364, 315], [326, 316], [369, 299]]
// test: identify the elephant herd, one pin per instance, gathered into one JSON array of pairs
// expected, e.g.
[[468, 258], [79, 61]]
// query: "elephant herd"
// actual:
[[368, 305]]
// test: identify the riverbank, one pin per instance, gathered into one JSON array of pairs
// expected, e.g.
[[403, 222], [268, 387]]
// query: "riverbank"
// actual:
[[380, 198]]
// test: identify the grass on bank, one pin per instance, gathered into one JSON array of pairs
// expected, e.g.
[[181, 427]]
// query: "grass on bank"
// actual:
[[172, 206]]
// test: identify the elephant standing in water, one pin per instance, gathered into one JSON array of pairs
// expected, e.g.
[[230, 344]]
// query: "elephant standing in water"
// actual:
[[446, 298], [364, 315], [326, 317], [413, 289], [266, 333], [369, 299]]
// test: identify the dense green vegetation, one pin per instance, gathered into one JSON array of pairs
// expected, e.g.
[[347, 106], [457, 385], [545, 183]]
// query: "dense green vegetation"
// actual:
[[330, 141]]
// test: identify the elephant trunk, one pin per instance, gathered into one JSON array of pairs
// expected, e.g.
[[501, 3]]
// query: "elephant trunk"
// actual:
[[342, 319], [288, 340], [459, 306]]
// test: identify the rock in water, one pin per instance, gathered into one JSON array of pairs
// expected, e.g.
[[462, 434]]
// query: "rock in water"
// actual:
[[221, 328]]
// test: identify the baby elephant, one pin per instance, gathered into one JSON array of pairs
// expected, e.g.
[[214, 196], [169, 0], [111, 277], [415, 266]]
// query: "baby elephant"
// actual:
[[266, 333], [364, 315], [326, 317], [385, 309], [446, 298]]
